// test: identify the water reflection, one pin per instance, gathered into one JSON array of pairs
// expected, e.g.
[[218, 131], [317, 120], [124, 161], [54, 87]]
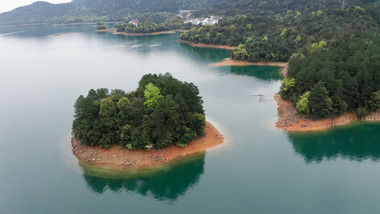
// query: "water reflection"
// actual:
[[358, 142], [33, 31], [165, 185], [206, 54], [267, 73]]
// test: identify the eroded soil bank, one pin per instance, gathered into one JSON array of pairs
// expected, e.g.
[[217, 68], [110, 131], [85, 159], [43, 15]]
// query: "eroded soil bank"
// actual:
[[289, 120], [118, 157]]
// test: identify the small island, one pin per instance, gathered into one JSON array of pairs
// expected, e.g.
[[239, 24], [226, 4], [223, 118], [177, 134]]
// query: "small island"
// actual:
[[161, 122]]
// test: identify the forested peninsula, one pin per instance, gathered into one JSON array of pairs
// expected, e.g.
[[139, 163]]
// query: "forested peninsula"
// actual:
[[161, 121], [332, 51]]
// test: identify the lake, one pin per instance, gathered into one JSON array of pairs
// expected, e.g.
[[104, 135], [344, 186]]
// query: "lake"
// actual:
[[259, 169]]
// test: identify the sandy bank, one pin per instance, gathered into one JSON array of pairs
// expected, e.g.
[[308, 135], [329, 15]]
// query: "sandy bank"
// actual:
[[289, 120], [120, 158], [229, 61], [60, 34], [202, 45], [143, 34]]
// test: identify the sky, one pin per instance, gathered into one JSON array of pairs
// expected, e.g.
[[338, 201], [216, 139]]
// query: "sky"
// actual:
[[7, 5]]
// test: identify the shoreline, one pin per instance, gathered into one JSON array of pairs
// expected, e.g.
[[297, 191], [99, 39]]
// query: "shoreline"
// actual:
[[143, 34], [60, 34], [289, 120], [57, 24], [104, 31], [203, 45], [232, 62], [117, 157]]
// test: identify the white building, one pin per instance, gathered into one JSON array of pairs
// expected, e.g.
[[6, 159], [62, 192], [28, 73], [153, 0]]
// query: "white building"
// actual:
[[204, 21], [134, 22]]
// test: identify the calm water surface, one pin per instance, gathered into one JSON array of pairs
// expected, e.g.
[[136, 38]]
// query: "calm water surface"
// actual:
[[260, 169]]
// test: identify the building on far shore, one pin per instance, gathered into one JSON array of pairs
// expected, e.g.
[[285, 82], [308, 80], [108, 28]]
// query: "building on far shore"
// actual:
[[204, 21], [185, 14], [134, 22]]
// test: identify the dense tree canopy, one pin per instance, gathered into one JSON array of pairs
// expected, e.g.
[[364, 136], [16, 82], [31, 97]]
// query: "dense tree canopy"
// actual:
[[149, 27], [276, 38], [343, 76], [333, 51], [161, 112]]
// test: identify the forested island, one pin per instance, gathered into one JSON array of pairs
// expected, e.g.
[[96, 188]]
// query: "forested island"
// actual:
[[164, 115]]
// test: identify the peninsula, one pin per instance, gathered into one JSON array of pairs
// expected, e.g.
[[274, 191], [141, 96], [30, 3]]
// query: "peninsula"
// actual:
[[162, 121]]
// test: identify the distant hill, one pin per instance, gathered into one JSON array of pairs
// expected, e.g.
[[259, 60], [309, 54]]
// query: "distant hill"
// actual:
[[35, 13], [273, 7], [96, 10], [160, 10]]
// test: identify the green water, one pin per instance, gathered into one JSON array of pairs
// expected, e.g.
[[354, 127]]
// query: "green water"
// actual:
[[259, 169]]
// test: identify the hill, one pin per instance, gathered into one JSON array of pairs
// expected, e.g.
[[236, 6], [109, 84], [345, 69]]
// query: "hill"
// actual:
[[275, 7], [96, 10]]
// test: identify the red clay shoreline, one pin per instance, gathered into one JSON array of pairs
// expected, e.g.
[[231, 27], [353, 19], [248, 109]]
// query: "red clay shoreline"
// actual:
[[118, 157], [289, 119], [203, 45]]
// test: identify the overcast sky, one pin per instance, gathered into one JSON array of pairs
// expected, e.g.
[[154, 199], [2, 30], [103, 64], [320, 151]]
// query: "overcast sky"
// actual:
[[7, 5]]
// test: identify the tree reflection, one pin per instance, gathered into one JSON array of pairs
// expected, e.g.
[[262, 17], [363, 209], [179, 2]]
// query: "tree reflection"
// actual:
[[206, 54], [167, 184], [266, 73], [358, 142]]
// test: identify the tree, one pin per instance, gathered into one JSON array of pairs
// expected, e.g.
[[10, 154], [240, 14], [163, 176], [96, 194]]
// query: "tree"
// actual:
[[303, 104], [319, 101], [107, 117], [152, 95]]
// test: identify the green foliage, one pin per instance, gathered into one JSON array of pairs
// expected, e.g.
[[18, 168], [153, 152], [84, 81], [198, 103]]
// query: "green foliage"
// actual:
[[343, 77], [149, 27], [303, 104], [152, 94], [275, 7], [287, 87], [278, 37], [318, 46], [361, 112], [161, 112], [359, 9], [319, 101]]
